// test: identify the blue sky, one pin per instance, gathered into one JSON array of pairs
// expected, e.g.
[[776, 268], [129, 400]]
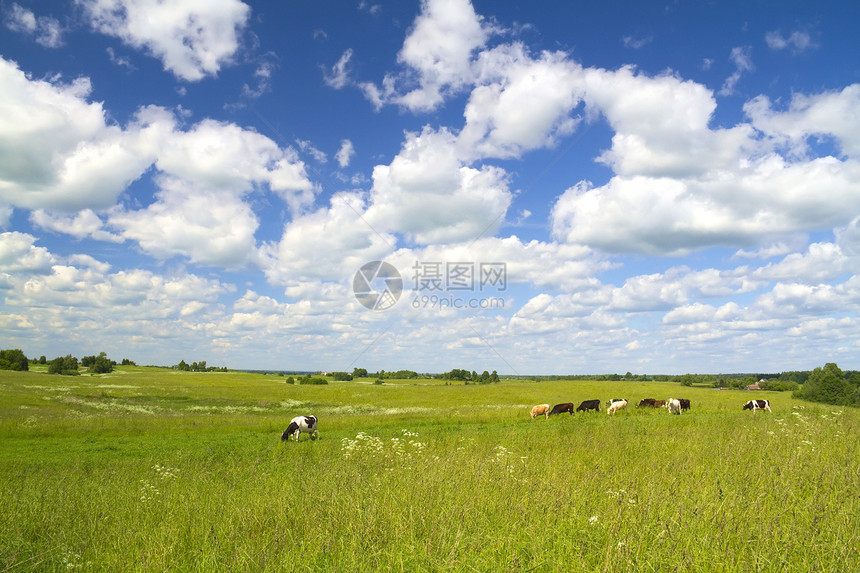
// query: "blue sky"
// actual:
[[627, 186]]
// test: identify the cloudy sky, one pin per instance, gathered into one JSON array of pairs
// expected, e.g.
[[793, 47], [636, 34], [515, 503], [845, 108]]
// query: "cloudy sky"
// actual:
[[561, 187]]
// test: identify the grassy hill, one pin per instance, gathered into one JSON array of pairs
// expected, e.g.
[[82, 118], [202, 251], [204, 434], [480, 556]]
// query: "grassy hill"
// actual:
[[149, 469]]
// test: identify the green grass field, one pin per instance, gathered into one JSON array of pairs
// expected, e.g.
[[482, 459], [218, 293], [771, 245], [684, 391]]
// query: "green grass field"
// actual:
[[148, 469]]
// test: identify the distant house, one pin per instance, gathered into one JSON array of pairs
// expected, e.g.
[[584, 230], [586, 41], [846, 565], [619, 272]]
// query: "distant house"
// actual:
[[753, 387]]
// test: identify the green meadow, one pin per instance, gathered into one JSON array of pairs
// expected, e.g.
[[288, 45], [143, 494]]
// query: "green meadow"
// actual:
[[149, 469]]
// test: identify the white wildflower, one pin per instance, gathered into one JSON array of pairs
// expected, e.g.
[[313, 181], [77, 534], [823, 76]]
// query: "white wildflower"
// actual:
[[148, 492], [165, 472]]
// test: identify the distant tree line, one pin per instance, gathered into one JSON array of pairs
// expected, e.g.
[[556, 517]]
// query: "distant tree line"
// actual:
[[784, 382], [69, 365], [473, 376], [458, 374], [198, 367], [396, 375]]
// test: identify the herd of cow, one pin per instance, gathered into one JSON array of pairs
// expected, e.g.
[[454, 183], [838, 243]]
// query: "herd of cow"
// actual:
[[308, 424], [674, 405]]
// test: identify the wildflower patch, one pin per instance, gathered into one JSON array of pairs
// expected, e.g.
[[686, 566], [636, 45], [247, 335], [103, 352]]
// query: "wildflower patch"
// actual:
[[399, 448]]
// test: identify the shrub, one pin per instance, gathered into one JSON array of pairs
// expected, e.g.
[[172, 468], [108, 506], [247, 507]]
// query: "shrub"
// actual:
[[779, 385]]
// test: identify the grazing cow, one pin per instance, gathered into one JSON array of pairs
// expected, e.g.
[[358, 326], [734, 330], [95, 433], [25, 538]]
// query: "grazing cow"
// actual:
[[589, 405], [647, 402], [540, 410], [758, 405], [674, 406], [685, 403], [659, 403], [615, 405], [298, 425], [561, 408]]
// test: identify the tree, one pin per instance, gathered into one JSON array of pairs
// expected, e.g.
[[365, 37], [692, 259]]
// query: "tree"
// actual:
[[687, 380], [102, 364], [827, 385], [66, 365], [456, 374], [795, 376], [403, 374], [13, 360], [359, 373]]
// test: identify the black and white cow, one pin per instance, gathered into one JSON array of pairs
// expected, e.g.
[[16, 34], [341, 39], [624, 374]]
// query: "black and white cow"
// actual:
[[298, 425], [758, 405]]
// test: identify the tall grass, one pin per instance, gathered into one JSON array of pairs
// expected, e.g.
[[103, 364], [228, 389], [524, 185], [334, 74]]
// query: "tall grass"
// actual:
[[163, 471]]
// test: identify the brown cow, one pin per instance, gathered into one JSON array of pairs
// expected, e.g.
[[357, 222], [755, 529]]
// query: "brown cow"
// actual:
[[561, 408]]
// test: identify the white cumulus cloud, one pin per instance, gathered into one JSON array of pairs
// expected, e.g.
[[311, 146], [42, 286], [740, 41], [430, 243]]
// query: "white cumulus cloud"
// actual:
[[437, 55], [192, 39], [427, 194]]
